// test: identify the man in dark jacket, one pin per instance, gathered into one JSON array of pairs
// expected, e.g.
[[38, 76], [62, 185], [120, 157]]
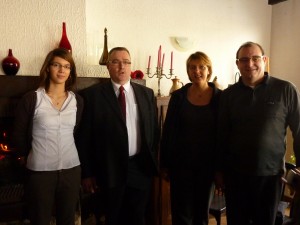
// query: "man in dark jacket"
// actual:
[[118, 142], [254, 115]]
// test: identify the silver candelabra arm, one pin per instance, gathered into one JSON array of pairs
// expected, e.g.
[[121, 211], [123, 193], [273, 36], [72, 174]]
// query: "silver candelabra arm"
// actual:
[[159, 75]]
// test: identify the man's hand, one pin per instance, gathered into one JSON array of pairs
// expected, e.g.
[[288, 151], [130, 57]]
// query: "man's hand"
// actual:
[[89, 184]]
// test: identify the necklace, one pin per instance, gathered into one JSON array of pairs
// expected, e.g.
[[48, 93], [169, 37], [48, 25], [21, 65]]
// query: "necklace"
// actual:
[[58, 100], [199, 93], [200, 96], [55, 102]]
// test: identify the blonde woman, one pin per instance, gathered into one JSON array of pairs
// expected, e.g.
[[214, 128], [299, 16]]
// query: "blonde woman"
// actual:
[[188, 143]]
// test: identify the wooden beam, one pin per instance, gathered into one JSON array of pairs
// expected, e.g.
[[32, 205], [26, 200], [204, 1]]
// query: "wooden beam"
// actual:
[[273, 2]]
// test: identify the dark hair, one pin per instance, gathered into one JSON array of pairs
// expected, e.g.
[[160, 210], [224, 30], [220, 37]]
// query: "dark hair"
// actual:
[[202, 58], [117, 49], [45, 74], [247, 45]]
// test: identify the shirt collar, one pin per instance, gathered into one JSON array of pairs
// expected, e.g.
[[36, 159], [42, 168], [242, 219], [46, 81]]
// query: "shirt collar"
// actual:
[[265, 81], [117, 86]]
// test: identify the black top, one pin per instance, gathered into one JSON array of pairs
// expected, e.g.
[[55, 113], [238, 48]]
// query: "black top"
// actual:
[[253, 126], [189, 132], [196, 135]]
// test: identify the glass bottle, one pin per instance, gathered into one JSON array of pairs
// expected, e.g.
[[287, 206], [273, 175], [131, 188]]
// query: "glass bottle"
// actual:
[[64, 41], [104, 56]]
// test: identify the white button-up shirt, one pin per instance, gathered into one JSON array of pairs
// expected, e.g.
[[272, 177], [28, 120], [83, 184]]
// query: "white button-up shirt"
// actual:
[[53, 144], [132, 118]]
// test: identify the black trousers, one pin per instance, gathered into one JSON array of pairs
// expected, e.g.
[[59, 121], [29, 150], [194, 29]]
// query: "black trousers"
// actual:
[[252, 199], [190, 196], [46, 189], [126, 204]]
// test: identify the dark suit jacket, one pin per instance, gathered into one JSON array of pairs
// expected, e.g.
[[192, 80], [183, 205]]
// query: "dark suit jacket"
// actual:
[[103, 140]]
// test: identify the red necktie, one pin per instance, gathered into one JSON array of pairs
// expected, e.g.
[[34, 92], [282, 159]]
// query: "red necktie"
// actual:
[[122, 101]]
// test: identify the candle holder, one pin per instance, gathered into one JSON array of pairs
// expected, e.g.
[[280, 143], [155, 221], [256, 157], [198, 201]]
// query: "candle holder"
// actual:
[[159, 75]]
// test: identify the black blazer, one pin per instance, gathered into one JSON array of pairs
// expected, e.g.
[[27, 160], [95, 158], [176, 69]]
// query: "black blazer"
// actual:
[[102, 140]]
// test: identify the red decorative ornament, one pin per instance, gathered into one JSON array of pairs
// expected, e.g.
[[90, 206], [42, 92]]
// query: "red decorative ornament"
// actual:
[[132, 75], [138, 74], [10, 64], [64, 41]]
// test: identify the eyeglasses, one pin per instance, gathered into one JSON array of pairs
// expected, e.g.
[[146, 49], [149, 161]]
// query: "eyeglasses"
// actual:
[[255, 59], [59, 66], [116, 62]]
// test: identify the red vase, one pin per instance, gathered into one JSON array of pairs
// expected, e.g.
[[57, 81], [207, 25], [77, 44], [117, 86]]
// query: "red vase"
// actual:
[[10, 64], [64, 41]]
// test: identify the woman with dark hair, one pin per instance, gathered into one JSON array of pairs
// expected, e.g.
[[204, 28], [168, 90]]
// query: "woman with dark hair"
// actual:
[[45, 122], [188, 143]]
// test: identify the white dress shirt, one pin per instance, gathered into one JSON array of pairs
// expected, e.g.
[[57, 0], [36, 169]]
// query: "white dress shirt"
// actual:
[[132, 118], [53, 144]]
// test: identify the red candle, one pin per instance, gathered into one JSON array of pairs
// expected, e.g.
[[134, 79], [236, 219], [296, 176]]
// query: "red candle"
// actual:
[[171, 60], [149, 60], [163, 59]]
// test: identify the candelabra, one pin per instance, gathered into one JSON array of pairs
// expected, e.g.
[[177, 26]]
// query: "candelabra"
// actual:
[[159, 75]]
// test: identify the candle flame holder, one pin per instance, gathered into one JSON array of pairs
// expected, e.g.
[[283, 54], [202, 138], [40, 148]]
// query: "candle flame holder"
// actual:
[[159, 75]]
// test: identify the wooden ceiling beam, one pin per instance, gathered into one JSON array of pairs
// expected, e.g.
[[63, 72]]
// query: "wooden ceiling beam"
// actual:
[[273, 2]]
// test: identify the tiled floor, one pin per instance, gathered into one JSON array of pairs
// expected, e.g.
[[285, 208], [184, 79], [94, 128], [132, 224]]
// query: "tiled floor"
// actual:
[[212, 221], [91, 221]]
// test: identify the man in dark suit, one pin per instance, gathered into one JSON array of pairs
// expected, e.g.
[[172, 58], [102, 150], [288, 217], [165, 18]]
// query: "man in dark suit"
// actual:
[[118, 148]]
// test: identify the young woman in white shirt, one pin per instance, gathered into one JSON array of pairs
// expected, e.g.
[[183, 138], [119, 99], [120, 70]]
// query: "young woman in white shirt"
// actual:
[[44, 134]]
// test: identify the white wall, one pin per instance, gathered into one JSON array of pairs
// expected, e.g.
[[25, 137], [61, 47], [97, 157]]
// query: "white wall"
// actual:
[[32, 28], [285, 50], [285, 54], [217, 27]]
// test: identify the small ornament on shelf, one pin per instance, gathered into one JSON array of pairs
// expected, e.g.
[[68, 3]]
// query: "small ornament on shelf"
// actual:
[[177, 84], [215, 81], [104, 57], [10, 64], [138, 74], [64, 41]]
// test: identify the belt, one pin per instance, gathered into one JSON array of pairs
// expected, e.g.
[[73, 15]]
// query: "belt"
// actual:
[[133, 156]]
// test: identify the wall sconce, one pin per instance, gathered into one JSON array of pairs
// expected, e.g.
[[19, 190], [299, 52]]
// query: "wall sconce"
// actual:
[[183, 43]]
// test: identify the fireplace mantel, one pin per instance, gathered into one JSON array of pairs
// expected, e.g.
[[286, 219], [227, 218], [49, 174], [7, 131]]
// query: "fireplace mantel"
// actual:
[[12, 88]]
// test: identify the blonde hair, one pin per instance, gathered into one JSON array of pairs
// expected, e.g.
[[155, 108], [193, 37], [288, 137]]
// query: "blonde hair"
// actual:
[[203, 59]]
